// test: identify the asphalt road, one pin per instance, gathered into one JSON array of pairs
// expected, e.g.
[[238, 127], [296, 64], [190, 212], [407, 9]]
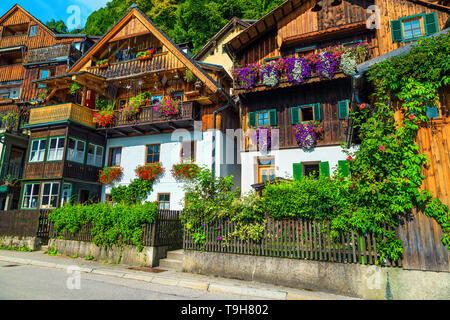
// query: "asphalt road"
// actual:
[[26, 282]]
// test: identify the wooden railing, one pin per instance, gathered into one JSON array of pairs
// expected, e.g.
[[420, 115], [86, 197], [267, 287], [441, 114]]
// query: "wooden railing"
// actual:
[[11, 41], [48, 53], [61, 112], [148, 115], [295, 239], [10, 170], [24, 223], [12, 72], [159, 62], [166, 230]]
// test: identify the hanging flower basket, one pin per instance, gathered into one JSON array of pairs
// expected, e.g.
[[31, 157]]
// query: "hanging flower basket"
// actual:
[[307, 134], [168, 107], [109, 174], [270, 72], [262, 137], [297, 70], [326, 65], [149, 171], [246, 77], [104, 118], [185, 171]]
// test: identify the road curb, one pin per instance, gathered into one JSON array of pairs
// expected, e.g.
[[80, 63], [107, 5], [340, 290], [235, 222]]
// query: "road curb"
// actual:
[[261, 293]]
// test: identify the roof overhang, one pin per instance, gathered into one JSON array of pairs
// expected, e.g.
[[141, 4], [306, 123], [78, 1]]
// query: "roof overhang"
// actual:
[[65, 80], [12, 49]]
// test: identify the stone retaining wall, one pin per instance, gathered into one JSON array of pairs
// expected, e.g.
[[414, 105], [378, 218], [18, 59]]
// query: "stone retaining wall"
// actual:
[[149, 256], [361, 281], [34, 243]]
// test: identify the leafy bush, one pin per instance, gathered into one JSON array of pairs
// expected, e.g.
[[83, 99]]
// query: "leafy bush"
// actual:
[[112, 225], [136, 192]]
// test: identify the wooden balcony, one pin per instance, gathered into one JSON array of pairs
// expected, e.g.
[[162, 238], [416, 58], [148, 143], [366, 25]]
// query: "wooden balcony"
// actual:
[[123, 69], [53, 52], [149, 120], [12, 41], [61, 112], [60, 169], [14, 72]]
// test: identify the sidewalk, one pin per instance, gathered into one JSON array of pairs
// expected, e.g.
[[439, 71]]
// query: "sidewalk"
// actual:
[[168, 277]]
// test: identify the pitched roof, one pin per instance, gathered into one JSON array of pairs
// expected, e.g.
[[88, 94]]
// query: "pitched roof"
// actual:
[[134, 11], [230, 24], [269, 22]]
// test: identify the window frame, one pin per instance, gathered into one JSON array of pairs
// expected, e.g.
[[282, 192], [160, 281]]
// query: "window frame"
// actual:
[[168, 202], [266, 112], [34, 29], [31, 150], [76, 148], [62, 193], [110, 156], [147, 154], [48, 148], [261, 167], [50, 195], [31, 195], [410, 19], [96, 146]]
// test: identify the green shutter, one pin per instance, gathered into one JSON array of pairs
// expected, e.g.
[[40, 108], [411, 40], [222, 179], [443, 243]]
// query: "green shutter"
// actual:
[[295, 116], [317, 115], [298, 171], [343, 109], [396, 30], [273, 117], [344, 168], [324, 169], [431, 25], [252, 119]]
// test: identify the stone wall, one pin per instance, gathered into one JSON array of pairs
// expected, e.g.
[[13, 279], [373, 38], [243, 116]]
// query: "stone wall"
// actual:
[[34, 243], [149, 256], [361, 281]]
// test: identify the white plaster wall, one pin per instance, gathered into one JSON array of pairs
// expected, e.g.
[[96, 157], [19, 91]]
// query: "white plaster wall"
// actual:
[[134, 151], [284, 160]]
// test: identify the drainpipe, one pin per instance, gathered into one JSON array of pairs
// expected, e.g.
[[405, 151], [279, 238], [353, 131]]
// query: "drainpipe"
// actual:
[[356, 81], [213, 169]]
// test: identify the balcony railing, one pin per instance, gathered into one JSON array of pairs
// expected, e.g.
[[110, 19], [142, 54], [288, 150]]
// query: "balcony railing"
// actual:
[[53, 52], [150, 120], [159, 62], [11, 171], [62, 112], [12, 41]]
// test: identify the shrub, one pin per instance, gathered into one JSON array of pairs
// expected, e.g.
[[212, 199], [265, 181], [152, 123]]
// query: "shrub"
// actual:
[[134, 193]]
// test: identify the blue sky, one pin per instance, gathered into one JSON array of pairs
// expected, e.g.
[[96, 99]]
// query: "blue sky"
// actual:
[[46, 10]]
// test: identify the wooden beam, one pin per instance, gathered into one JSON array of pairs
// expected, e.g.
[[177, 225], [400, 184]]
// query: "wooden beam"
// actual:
[[52, 93], [136, 129]]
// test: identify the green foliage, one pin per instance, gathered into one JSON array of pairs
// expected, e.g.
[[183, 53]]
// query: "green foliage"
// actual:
[[189, 76], [74, 88], [23, 249], [89, 257], [112, 225], [134, 193], [11, 119], [53, 252], [57, 26], [75, 256]]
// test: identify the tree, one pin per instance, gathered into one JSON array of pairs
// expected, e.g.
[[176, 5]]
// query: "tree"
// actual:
[[57, 26]]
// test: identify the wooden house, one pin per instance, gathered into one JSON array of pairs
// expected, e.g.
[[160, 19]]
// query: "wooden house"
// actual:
[[133, 59], [297, 29], [29, 50]]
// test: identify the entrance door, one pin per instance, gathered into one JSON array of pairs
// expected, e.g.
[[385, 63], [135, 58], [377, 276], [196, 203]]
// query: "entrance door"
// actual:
[[84, 196]]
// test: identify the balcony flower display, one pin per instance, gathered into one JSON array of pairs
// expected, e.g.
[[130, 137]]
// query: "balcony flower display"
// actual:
[[185, 171], [355, 55], [246, 77], [132, 108], [102, 63], [105, 117], [262, 137], [146, 54], [168, 107], [10, 120], [149, 171], [109, 174], [307, 133], [270, 72], [297, 70], [327, 64]]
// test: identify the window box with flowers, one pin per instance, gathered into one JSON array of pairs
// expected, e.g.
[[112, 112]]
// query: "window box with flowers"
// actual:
[[149, 171], [262, 137], [308, 133], [168, 107], [102, 64], [146, 54], [185, 171], [246, 77], [104, 118], [109, 174]]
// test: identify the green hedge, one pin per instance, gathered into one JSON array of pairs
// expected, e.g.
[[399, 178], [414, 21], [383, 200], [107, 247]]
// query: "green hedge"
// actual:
[[112, 225]]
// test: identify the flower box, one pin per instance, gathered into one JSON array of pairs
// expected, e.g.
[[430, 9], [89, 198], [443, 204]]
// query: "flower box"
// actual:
[[149, 171], [109, 174], [185, 171]]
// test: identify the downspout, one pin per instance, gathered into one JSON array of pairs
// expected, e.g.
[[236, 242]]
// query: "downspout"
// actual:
[[213, 169], [356, 81]]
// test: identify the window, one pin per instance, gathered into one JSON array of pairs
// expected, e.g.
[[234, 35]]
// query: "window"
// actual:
[[44, 74], [152, 155], [266, 169], [412, 27], [75, 150], [164, 201], [33, 31], [30, 196], [37, 151], [188, 150], [77, 45], [95, 155], [66, 193], [305, 113], [115, 155], [56, 149], [156, 99], [50, 192], [311, 169], [179, 96], [262, 119]]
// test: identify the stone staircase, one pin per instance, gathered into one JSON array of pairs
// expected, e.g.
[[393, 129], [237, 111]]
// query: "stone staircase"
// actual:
[[174, 260]]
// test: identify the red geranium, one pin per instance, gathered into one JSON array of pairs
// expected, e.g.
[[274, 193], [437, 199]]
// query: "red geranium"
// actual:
[[185, 171], [149, 171], [109, 174]]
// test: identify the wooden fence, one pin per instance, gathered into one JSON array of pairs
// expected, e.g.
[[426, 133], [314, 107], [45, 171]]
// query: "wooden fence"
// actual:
[[24, 223], [166, 230], [295, 239]]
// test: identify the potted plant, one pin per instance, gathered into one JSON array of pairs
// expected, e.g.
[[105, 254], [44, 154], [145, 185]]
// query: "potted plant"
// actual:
[[75, 87], [168, 107], [189, 76], [109, 174], [105, 116], [102, 63], [146, 54], [307, 133], [149, 171], [170, 91], [10, 120]]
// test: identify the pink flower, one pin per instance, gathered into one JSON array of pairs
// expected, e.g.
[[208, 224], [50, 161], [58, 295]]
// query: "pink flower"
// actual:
[[406, 179], [349, 158], [411, 116], [385, 180], [382, 148], [362, 106]]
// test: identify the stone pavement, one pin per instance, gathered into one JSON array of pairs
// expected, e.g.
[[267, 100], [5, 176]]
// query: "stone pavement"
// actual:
[[168, 277]]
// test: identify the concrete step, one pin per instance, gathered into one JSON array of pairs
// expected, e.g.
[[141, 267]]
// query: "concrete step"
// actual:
[[175, 255], [171, 264], [44, 248]]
